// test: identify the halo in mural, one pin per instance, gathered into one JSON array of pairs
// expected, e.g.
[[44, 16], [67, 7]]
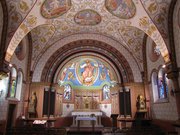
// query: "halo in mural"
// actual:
[[124, 9], [87, 17], [54, 8], [87, 72], [153, 55]]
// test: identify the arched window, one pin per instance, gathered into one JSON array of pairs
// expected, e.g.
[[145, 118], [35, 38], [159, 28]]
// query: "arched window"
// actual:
[[19, 85], [154, 80], [159, 85], [106, 92], [67, 92], [4, 86], [12, 83], [162, 84]]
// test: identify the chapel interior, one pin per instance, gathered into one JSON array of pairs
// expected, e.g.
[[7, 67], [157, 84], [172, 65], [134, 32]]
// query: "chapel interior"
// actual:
[[101, 67]]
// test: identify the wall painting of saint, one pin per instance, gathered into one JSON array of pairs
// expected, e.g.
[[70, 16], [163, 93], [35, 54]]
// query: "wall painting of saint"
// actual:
[[55, 8], [124, 9], [87, 17]]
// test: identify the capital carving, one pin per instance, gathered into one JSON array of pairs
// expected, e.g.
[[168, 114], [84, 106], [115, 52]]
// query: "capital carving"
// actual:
[[4, 69], [172, 72]]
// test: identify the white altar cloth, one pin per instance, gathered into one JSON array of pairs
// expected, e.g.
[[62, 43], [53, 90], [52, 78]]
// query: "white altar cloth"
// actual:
[[85, 116]]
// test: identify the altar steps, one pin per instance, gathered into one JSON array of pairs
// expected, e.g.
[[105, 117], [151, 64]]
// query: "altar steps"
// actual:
[[84, 133]]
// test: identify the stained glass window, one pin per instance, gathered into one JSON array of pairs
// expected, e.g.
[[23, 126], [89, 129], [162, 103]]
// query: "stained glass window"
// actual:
[[67, 92], [106, 92], [162, 84]]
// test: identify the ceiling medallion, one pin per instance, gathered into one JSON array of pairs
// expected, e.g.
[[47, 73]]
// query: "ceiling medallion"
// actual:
[[55, 8], [124, 9], [87, 17]]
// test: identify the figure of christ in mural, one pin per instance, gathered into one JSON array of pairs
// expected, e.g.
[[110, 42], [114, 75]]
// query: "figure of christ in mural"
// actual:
[[122, 8], [87, 74], [56, 6]]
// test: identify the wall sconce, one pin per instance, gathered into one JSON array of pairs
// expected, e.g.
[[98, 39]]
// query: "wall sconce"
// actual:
[[1, 92]]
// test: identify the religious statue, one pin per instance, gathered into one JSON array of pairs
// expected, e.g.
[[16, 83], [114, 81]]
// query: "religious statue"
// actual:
[[140, 103], [32, 105]]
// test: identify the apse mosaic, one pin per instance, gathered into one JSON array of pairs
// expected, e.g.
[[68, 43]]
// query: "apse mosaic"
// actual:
[[124, 9], [87, 73], [87, 17], [54, 8]]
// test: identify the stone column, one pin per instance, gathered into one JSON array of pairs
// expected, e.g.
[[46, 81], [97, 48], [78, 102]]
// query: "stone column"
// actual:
[[4, 69], [173, 74]]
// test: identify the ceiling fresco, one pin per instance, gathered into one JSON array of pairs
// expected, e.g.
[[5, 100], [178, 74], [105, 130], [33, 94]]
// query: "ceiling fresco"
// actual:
[[55, 8], [87, 17], [41, 36], [134, 39], [17, 10], [111, 18], [158, 11], [124, 9]]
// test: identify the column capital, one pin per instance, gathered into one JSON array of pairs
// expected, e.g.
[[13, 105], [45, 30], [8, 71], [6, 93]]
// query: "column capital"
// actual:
[[4, 69], [172, 72]]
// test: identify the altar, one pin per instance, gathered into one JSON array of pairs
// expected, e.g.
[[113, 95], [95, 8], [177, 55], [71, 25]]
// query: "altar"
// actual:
[[85, 118]]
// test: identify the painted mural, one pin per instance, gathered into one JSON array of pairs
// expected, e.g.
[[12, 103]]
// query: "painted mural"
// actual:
[[87, 73], [158, 11], [133, 37], [41, 35], [153, 53], [17, 11], [54, 8], [124, 9], [87, 17]]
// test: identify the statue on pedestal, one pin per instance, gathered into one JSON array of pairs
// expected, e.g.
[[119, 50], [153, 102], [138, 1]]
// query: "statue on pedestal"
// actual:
[[32, 105], [140, 103]]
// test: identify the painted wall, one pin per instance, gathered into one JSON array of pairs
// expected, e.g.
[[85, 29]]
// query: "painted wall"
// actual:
[[106, 109], [67, 109], [163, 111], [4, 102]]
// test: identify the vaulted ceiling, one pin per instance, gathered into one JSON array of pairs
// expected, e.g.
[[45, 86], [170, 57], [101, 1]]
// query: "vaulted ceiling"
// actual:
[[125, 21]]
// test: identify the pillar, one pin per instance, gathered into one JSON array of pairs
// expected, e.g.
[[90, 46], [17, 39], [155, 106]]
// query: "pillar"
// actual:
[[173, 74]]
